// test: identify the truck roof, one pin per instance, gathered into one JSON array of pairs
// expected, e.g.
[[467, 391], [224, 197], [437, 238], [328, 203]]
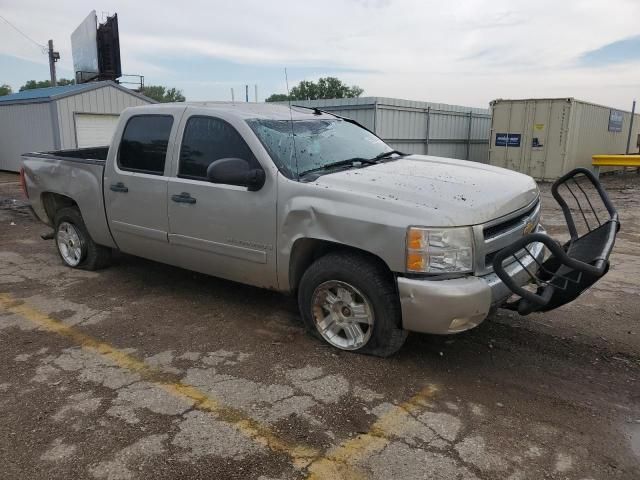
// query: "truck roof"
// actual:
[[245, 110]]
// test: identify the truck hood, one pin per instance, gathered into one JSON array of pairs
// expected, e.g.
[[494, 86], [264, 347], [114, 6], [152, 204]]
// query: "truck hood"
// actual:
[[457, 192]]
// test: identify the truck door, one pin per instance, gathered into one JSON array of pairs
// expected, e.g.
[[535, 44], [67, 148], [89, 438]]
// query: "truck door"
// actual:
[[135, 185], [222, 230]]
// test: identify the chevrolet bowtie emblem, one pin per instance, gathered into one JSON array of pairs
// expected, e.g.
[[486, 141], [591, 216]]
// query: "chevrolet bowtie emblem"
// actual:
[[528, 228]]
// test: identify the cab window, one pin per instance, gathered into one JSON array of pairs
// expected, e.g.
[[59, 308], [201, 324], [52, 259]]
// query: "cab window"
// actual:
[[207, 139], [144, 143]]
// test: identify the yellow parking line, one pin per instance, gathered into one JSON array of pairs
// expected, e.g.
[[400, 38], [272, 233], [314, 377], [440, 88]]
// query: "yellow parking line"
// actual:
[[301, 456], [341, 463]]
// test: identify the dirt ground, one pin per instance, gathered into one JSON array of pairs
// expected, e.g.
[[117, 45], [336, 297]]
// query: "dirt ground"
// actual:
[[148, 371]]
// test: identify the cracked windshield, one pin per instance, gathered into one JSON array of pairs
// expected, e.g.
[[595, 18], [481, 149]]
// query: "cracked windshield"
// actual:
[[318, 143]]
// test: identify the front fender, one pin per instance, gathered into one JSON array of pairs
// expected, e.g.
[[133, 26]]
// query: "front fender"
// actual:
[[341, 219]]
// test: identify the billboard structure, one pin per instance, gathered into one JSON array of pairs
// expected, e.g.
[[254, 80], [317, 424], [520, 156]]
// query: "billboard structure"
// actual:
[[109, 48], [96, 49], [84, 49]]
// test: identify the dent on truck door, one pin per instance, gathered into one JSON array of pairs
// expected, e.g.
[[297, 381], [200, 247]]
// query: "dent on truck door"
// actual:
[[221, 230], [135, 187]]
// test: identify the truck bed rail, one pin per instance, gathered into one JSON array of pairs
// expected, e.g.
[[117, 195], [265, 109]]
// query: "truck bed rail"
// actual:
[[91, 155]]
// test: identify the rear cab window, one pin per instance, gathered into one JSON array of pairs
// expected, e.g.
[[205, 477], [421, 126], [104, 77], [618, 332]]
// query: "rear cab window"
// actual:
[[143, 147], [206, 140]]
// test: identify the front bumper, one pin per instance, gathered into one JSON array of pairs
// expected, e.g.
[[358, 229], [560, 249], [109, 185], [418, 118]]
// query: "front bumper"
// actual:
[[452, 306]]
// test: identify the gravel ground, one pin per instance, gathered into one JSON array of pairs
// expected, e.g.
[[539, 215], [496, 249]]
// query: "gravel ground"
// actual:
[[148, 371]]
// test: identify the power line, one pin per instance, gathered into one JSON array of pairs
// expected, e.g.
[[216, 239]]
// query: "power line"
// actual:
[[43, 48]]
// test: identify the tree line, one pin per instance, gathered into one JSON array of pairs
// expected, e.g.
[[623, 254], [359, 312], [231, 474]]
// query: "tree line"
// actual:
[[325, 87], [156, 92], [33, 84]]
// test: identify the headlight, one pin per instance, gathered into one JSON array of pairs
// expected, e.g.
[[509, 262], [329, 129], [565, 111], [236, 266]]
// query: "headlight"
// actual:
[[439, 250]]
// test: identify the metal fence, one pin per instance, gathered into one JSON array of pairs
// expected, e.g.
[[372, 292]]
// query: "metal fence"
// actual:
[[418, 127]]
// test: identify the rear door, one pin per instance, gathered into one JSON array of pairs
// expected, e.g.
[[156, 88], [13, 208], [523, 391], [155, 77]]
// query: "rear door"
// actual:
[[221, 230], [135, 184]]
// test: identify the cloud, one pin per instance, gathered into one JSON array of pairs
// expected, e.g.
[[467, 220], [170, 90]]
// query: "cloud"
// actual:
[[464, 52]]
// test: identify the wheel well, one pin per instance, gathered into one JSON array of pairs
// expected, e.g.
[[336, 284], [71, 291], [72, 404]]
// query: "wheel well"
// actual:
[[305, 251], [53, 202]]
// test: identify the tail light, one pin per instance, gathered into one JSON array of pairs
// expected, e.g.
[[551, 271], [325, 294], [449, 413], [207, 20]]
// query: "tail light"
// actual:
[[23, 183]]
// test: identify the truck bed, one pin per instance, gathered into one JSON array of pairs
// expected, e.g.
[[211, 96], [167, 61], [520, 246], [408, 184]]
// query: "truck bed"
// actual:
[[70, 176]]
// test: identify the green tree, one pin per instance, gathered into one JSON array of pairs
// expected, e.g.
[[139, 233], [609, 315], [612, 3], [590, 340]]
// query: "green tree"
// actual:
[[325, 87], [33, 84], [278, 97], [163, 94], [5, 90]]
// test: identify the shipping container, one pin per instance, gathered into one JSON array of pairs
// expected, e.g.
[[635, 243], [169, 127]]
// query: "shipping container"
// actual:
[[426, 128], [547, 137]]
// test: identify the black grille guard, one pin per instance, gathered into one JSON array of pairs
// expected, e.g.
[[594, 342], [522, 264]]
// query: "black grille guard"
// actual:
[[571, 268]]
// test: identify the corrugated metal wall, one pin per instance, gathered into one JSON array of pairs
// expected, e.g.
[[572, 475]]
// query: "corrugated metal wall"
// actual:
[[24, 127], [107, 99], [50, 124], [418, 127]]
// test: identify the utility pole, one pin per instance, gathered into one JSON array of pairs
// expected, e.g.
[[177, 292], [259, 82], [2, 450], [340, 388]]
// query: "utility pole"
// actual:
[[246, 93], [53, 58], [633, 112], [256, 92]]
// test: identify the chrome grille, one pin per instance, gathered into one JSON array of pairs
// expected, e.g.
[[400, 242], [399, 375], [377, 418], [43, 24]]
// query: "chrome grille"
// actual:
[[497, 234]]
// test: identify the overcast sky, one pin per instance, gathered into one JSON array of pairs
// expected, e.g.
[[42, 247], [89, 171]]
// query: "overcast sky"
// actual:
[[464, 52]]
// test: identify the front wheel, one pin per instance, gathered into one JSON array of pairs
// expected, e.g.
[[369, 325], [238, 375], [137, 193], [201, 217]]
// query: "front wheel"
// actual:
[[350, 301]]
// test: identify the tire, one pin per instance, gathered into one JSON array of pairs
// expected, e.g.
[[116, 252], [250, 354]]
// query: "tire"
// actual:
[[74, 244], [322, 300]]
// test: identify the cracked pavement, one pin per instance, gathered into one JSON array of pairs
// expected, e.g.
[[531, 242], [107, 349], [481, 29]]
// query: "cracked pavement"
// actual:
[[148, 371]]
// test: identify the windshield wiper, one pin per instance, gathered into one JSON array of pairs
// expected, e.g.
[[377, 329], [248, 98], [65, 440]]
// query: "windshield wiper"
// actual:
[[352, 162], [387, 154]]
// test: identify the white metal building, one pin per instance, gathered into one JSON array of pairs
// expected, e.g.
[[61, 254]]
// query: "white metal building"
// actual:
[[57, 118], [547, 137], [427, 128]]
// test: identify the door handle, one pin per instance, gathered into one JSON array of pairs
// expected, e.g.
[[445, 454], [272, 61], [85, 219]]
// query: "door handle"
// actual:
[[119, 187], [184, 197]]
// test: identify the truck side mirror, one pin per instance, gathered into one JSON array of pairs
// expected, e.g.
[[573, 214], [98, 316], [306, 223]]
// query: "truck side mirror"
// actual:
[[236, 171]]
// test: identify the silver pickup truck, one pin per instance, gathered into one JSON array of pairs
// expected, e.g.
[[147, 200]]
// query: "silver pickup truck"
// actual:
[[373, 242]]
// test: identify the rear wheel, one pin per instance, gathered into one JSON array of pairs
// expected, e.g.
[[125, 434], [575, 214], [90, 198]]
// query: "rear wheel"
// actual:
[[349, 301], [76, 248], [70, 244]]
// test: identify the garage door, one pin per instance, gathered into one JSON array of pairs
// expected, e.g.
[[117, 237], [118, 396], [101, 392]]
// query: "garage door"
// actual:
[[94, 130]]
